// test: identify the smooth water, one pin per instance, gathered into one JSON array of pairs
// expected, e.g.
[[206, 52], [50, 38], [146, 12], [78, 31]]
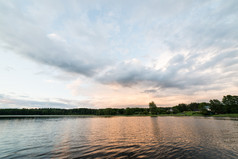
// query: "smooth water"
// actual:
[[119, 137]]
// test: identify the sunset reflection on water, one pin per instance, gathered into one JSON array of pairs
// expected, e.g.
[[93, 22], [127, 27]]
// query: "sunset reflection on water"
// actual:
[[119, 137]]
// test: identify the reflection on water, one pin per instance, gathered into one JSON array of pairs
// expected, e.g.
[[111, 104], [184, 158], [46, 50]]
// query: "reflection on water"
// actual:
[[119, 137]]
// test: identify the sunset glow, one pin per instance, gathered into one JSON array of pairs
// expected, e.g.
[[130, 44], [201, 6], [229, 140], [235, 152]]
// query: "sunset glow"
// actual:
[[99, 54]]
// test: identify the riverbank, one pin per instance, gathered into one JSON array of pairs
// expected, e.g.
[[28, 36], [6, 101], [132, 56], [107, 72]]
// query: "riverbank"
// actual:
[[198, 114], [226, 115], [85, 116]]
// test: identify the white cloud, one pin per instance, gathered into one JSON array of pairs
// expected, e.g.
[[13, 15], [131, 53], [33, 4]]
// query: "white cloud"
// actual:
[[74, 86], [56, 37], [188, 46]]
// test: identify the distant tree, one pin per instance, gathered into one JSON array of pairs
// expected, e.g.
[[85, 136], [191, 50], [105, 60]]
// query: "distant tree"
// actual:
[[193, 106], [204, 111], [145, 111], [231, 103], [129, 111], [217, 107], [202, 105], [182, 107], [153, 108], [175, 110], [161, 110]]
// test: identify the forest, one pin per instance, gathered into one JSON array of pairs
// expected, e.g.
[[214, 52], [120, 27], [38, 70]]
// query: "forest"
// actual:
[[228, 105]]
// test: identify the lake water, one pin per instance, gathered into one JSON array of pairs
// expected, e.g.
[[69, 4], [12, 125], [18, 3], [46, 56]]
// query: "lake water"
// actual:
[[119, 137]]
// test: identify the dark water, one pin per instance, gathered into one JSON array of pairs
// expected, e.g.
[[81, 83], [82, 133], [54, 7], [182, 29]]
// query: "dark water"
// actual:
[[119, 137]]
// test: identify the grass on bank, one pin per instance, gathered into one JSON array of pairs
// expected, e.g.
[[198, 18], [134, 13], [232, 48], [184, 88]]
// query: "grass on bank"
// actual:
[[192, 113], [186, 113], [226, 115]]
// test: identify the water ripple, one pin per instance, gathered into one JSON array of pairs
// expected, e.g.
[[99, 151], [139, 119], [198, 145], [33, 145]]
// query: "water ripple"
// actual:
[[119, 137]]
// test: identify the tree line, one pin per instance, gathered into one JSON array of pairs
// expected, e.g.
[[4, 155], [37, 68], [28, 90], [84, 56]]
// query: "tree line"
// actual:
[[78, 111], [229, 104]]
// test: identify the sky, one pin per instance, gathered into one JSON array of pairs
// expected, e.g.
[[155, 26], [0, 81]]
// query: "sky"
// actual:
[[127, 53]]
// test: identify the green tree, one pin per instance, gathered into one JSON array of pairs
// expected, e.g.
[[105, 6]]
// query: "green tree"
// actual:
[[231, 103], [204, 111], [182, 107], [175, 110], [193, 106], [217, 107], [153, 108], [129, 111]]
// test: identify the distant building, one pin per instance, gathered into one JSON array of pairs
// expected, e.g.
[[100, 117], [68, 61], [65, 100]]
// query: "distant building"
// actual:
[[171, 110], [207, 107]]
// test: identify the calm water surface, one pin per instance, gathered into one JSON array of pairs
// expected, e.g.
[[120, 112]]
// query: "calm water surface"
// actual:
[[119, 137]]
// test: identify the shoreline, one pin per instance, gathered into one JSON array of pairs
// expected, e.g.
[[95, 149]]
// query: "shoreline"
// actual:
[[139, 115]]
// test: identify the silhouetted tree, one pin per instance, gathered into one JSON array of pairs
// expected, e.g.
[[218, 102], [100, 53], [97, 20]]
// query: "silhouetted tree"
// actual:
[[231, 103], [182, 107], [129, 111], [193, 106], [153, 108], [217, 107]]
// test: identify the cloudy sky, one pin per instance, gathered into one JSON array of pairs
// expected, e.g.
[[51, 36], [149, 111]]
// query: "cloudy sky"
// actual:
[[97, 54]]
